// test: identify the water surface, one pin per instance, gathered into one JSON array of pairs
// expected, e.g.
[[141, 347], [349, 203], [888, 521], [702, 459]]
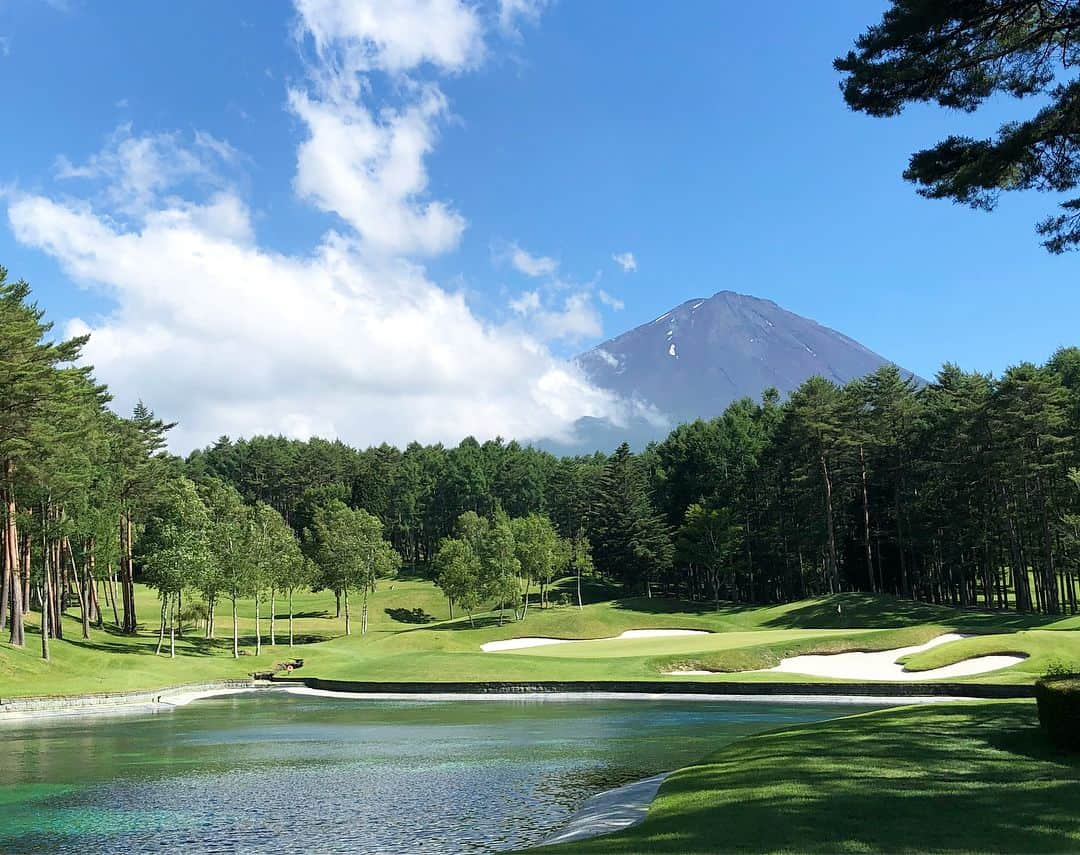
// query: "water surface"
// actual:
[[272, 773]]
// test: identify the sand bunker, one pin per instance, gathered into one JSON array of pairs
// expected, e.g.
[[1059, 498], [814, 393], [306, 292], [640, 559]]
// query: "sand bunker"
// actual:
[[881, 666], [520, 643]]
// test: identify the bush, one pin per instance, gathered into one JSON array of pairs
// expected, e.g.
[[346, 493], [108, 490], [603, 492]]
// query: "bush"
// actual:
[[194, 613], [1058, 697]]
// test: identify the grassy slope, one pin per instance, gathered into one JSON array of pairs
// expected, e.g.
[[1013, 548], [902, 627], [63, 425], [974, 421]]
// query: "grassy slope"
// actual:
[[948, 778], [396, 648]]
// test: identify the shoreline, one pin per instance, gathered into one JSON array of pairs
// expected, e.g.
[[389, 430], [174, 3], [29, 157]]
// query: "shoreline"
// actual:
[[142, 701], [171, 697], [609, 811]]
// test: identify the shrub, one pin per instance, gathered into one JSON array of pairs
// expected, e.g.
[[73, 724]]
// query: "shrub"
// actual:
[[194, 612], [1058, 697]]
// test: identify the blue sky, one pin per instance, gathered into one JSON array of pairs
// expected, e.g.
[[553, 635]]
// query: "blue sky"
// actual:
[[394, 221]]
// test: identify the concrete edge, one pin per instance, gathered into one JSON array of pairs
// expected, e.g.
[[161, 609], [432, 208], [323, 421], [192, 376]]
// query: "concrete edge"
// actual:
[[609, 811], [22, 709], [777, 690]]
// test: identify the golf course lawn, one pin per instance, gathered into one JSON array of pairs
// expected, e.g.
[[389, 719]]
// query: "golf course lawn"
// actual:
[[411, 638], [956, 777]]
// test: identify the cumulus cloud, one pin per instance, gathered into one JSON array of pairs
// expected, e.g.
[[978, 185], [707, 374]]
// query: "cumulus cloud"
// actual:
[[626, 261], [394, 36], [137, 170], [524, 261], [526, 303], [512, 12], [351, 339], [610, 301], [549, 316], [233, 338], [369, 169], [364, 162]]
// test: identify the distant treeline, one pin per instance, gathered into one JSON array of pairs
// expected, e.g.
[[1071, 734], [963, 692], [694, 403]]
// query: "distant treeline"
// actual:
[[964, 491]]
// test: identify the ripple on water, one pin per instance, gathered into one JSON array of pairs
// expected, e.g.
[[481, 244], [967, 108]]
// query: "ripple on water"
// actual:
[[328, 776]]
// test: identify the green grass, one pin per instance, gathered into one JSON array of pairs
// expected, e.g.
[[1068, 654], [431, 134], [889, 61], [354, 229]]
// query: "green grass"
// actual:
[[399, 648], [945, 778]]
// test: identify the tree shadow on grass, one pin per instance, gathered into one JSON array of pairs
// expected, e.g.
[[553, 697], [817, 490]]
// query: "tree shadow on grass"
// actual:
[[417, 615], [870, 611], [483, 621], [665, 605], [948, 778]]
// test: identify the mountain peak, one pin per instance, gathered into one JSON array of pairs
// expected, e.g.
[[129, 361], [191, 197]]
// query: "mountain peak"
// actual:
[[703, 354]]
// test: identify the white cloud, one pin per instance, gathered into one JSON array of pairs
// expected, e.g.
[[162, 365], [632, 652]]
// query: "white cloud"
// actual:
[[513, 11], [609, 358], [525, 262], [610, 301], [575, 321], [137, 170], [571, 319], [367, 165], [526, 303], [121, 104], [5, 46], [394, 36], [370, 171], [232, 338], [350, 339], [626, 261]]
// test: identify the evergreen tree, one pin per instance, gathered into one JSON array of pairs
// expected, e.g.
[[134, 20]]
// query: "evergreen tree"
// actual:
[[960, 54], [630, 541]]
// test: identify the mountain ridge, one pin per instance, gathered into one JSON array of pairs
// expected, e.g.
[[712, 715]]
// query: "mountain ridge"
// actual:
[[707, 352]]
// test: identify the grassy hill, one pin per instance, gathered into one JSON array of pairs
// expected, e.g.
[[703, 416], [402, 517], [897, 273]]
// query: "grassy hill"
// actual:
[[943, 778], [411, 638]]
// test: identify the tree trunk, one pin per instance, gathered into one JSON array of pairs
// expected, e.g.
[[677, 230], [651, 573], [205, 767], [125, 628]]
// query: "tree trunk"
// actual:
[[363, 613], [127, 574], [235, 630], [866, 523], [112, 597], [579, 587], [172, 628], [834, 570], [348, 625], [210, 607], [45, 628], [290, 619], [161, 629], [14, 588], [273, 608], [258, 627]]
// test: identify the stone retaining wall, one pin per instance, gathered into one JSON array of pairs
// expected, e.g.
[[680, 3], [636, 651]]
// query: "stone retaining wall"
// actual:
[[684, 687]]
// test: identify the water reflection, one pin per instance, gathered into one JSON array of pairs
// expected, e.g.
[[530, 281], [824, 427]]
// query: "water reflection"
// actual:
[[267, 774]]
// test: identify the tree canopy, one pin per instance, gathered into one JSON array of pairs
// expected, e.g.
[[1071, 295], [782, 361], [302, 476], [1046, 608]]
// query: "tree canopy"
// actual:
[[960, 53]]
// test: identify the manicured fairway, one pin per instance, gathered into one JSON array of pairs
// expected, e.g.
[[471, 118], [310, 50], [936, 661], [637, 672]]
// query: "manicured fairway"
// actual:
[[411, 638], [945, 778]]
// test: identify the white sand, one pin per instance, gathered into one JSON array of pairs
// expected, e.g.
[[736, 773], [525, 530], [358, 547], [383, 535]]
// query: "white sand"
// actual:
[[878, 667], [610, 811], [883, 665], [520, 643]]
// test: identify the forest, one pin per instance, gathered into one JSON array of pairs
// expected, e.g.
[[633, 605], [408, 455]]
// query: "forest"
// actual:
[[964, 490]]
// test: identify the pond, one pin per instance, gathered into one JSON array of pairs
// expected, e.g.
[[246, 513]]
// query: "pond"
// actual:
[[263, 773]]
